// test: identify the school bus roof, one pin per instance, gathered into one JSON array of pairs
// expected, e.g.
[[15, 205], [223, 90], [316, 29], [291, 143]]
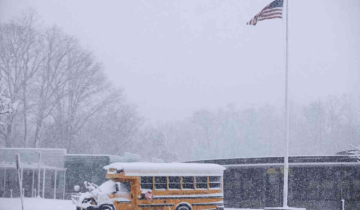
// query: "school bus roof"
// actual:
[[165, 169]]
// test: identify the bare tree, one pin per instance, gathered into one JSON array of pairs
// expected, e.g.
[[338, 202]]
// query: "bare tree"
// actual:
[[20, 59], [50, 86], [87, 91], [334, 112], [112, 130]]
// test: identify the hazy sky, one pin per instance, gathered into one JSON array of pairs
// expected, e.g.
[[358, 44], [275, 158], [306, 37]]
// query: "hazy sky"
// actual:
[[175, 57]]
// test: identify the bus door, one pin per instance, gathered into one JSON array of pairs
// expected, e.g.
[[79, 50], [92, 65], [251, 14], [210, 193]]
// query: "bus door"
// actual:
[[125, 195]]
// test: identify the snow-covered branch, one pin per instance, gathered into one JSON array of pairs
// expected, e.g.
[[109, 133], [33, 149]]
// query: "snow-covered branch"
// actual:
[[5, 103]]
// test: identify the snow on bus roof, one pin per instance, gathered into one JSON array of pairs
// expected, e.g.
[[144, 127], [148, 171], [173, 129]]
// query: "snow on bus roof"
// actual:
[[167, 169]]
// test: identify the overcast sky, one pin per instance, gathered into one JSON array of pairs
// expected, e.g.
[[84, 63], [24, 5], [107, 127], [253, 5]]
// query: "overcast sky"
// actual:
[[176, 57]]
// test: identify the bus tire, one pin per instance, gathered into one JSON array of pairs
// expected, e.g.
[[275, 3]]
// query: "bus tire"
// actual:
[[107, 207], [183, 206]]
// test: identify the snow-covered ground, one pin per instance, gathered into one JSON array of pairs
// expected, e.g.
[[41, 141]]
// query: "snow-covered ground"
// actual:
[[35, 204], [41, 204]]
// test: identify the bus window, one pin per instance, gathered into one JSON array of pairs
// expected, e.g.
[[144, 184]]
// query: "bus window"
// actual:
[[146, 183], [174, 183], [188, 183], [160, 183], [125, 187], [201, 182], [214, 182]]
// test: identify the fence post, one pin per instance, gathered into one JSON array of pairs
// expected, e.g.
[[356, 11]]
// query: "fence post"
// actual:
[[55, 184], [43, 190], [39, 173], [4, 182], [20, 178]]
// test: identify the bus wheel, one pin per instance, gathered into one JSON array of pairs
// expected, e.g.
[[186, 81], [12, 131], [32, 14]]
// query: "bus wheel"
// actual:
[[183, 207], [107, 207]]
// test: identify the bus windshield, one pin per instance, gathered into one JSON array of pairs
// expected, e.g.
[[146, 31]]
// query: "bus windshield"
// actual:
[[123, 188]]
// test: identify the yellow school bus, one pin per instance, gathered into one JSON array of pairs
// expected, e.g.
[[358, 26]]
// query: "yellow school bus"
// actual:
[[168, 186]]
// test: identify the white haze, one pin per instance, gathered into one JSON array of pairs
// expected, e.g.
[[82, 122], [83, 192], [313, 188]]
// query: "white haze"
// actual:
[[203, 81], [176, 57]]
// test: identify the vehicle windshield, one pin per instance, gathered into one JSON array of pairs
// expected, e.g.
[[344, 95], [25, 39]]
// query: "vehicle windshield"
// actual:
[[123, 187]]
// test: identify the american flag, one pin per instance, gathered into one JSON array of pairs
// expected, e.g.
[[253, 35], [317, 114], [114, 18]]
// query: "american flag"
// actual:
[[271, 11]]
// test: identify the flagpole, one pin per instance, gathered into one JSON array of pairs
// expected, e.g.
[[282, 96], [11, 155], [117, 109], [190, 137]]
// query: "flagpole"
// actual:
[[287, 119]]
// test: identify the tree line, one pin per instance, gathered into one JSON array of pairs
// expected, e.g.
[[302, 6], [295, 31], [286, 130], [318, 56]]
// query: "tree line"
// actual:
[[65, 100], [58, 84], [322, 127]]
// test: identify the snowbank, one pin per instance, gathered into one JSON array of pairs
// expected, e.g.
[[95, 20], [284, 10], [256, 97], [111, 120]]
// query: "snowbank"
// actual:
[[242, 209], [35, 204], [45, 204]]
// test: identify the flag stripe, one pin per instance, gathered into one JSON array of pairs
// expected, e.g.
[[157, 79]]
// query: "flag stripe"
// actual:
[[274, 14], [274, 10], [269, 18], [271, 11]]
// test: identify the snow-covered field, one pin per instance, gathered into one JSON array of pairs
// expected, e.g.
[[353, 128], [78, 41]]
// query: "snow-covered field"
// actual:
[[35, 204]]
